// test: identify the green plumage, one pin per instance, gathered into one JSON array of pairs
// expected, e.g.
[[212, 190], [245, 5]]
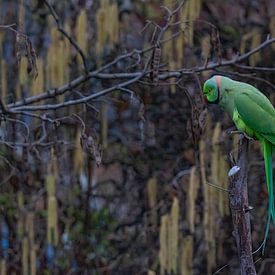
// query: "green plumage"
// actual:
[[252, 114]]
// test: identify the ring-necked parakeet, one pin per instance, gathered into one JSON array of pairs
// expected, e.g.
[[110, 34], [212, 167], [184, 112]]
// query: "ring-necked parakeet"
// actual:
[[252, 114]]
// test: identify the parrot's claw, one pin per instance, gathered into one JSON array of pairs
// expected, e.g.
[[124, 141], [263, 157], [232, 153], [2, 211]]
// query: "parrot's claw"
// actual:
[[243, 133], [248, 137]]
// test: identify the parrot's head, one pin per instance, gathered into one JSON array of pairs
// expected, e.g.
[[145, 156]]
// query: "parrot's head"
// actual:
[[211, 90]]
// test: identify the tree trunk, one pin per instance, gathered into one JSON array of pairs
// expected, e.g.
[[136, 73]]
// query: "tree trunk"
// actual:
[[238, 200]]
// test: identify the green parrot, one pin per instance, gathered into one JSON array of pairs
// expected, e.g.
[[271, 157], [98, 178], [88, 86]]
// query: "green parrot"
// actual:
[[252, 114]]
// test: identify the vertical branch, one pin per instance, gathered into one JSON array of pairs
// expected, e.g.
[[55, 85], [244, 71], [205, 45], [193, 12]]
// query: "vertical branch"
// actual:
[[238, 200]]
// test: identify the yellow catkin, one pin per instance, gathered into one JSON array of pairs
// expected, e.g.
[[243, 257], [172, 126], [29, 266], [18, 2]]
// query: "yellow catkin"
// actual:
[[25, 256], [255, 41], [66, 54], [212, 195], [33, 259], [208, 214], [209, 196], [52, 232], [78, 155], [167, 52], [206, 52], [174, 236], [198, 5], [1, 40], [186, 257], [53, 58], [104, 124], [245, 39], [50, 184], [163, 236], [3, 269], [29, 227], [48, 84], [57, 72], [169, 3], [23, 72], [190, 28], [21, 16], [184, 15], [202, 146], [205, 47], [102, 34], [81, 33], [223, 180], [113, 28], [190, 12], [104, 3], [20, 221], [168, 56], [251, 40], [52, 219], [215, 154], [152, 200], [107, 21], [3, 83], [18, 91], [38, 83], [192, 15], [60, 65], [179, 49], [209, 224], [191, 199], [169, 239]]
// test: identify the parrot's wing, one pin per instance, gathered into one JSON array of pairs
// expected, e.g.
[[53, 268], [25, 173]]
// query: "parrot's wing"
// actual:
[[257, 113]]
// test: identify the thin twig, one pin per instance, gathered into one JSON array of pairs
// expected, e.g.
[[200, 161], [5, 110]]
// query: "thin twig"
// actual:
[[260, 69], [63, 31], [8, 26]]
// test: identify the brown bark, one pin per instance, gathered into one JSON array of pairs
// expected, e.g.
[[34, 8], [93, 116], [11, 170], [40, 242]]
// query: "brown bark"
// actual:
[[238, 200]]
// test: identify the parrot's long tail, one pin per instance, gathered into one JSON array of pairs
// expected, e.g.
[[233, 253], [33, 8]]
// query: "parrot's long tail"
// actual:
[[267, 150]]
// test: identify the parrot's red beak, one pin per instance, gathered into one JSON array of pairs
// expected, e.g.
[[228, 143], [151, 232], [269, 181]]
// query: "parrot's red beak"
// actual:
[[205, 99]]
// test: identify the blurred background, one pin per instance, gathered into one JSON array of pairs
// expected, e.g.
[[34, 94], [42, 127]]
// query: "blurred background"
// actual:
[[125, 183]]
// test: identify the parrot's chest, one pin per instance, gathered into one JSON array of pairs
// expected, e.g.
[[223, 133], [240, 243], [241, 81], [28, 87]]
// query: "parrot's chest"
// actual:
[[241, 126]]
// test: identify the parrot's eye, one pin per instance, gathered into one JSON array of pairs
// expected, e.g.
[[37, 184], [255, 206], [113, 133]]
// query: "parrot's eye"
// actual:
[[208, 92]]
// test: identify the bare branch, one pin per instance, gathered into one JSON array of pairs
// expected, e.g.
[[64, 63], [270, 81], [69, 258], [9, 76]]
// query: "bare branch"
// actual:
[[8, 26], [76, 101]]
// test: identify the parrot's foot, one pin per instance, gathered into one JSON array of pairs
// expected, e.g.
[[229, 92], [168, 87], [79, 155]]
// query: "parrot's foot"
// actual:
[[243, 133]]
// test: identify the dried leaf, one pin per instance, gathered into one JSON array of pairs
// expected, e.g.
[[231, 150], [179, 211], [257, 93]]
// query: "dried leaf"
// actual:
[[215, 39], [91, 147], [24, 48], [141, 112], [202, 119], [155, 65], [206, 48]]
